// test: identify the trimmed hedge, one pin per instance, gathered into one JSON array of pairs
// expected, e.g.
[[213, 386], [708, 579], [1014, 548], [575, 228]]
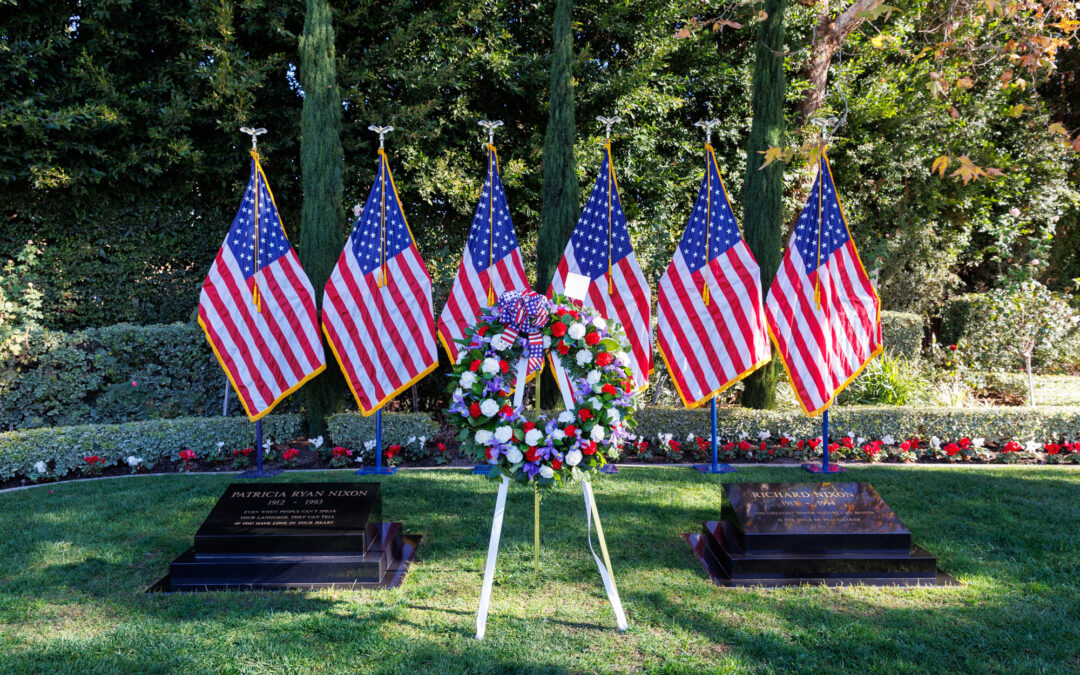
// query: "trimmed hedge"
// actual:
[[902, 333], [56, 378], [1057, 423], [63, 448], [352, 429]]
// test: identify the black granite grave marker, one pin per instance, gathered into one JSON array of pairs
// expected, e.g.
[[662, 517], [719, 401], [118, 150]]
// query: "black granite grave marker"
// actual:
[[293, 535], [775, 534]]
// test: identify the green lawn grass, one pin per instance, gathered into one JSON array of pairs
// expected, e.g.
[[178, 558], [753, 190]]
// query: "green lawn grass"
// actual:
[[75, 559]]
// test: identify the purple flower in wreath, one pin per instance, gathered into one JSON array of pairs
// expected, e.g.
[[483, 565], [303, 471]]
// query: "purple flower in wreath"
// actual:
[[458, 405], [531, 468]]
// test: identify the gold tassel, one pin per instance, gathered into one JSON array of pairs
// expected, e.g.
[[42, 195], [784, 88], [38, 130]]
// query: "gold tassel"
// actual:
[[610, 284], [491, 296], [705, 293], [817, 293]]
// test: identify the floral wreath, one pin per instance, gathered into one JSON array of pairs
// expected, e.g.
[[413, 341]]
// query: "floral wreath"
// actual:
[[502, 349]]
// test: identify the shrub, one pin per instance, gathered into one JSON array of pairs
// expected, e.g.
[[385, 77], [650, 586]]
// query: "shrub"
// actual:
[[993, 424], [64, 449], [902, 333], [109, 375], [886, 381], [356, 432]]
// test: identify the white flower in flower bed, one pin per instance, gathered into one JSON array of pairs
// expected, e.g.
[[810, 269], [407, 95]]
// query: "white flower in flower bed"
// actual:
[[412, 439], [1031, 446], [888, 440], [41, 467], [317, 441], [763, 434], [133, 461], [690, 437], [369, 445], [978, 443], [489, 408], [935, 442]]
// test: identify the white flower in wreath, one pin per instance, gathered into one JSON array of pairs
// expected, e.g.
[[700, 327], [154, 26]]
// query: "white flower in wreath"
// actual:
[[490, 366], [460, 356], [596, 403], [622, 358], [593, 377], [547, 342], [489, 408], [573, 458], [546, 471], [461, 392], [614, 417], [576, 331], [583, 357], [483, 437], [533, 437], [978, 443], [565, 417], [558, 434], [468, 379], [600, 322], [503, 434], [598, 432], [513, 455], [501, 342], [41, 467]]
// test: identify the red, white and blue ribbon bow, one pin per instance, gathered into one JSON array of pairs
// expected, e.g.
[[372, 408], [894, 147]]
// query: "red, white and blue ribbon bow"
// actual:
[[525, 313]]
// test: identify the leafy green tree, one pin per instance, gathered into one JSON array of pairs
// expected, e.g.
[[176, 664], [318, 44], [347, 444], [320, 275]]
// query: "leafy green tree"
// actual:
[[322, 164], [763, 199]]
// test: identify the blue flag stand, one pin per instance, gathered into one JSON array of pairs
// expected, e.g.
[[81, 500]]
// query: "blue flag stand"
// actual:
[[378, 469], [825, 466], [258, 472], [716, 466]]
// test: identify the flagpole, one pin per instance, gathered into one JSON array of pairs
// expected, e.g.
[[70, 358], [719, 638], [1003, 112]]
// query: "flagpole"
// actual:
[[379, 469], [716, 466], [258, 471], [825, 467]]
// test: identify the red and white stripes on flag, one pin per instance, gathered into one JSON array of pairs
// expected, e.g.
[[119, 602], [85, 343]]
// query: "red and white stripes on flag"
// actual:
[[257, 307], [711, 324], [490, 266], [823, 313], [376, 310], [600, 249]]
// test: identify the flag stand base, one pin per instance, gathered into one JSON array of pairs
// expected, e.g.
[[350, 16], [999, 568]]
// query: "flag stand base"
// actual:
[[609, 468], [377, 471], [820, 468], [719, 468], [481, 469]]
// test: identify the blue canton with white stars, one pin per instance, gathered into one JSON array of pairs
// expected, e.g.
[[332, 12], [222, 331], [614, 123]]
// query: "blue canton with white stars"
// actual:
[[590, 237], [834, 233], [499, 227], [272, 243], [712, 206], [367, 234]]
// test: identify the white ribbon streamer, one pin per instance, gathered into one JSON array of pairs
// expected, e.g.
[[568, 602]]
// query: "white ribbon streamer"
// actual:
[[493, 552], [519, 387], [605, 574], [563, 381]]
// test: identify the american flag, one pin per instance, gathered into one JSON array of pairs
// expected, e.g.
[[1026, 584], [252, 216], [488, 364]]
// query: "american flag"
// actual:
[[490, 266], [257, 307], [711, 325], [822, 281], [376, 310], [600, 249]]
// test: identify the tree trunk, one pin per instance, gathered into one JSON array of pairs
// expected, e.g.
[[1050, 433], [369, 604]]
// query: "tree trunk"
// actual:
[[560, 206], [763, 207], [1031, 381], [322, 164]]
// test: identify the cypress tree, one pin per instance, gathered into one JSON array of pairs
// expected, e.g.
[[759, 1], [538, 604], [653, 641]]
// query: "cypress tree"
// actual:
[[322, 165], [763, 207], [559, 210]]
